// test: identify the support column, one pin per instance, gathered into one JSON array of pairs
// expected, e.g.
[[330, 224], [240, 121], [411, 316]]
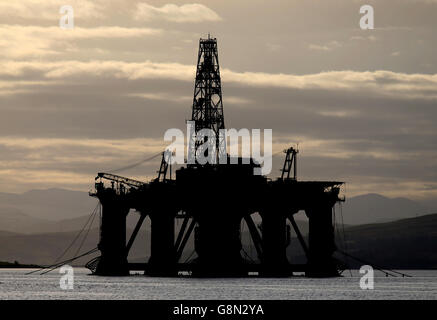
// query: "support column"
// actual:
[[113, 261], [321, 243], [162, 260], [274, 232]]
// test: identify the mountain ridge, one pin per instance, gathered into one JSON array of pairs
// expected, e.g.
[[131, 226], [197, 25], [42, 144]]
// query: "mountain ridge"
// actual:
[[59, 210]]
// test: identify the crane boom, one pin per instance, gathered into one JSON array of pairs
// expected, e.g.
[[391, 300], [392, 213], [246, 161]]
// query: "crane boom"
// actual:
[[120, 179]]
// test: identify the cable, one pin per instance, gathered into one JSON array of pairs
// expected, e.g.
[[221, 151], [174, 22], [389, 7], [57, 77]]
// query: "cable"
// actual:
[[89, 228], [279, 152], [133, 165], [69, 260], [78, 235], [242, 246], [344, 234], [72, 242], [375, 266], [247, 256], [54, 266], [337, 234], [341, 234], [194, 251]]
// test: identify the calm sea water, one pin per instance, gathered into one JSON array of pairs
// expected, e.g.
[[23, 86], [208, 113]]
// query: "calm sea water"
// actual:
[[15, 284]]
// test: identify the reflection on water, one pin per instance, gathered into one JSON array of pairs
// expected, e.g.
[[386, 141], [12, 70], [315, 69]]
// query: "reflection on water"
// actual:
[[15, 284]]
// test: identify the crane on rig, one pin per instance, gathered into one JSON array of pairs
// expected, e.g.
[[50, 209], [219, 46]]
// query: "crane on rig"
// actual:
[[165, 165], [122, 184], [290, 163]]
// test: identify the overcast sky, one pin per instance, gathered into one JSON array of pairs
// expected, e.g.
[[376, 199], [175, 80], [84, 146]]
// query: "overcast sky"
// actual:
[[361, 103]]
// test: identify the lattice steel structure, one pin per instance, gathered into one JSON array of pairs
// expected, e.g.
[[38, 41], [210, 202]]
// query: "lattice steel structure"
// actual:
[[207, 109]]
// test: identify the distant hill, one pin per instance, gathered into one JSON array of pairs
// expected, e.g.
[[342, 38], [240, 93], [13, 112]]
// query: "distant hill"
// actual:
[[44, 248], [15, 221], [374, 208], [403, 244], [49, 204]]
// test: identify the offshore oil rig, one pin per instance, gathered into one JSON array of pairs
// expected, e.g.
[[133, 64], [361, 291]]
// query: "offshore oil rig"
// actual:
[[212, 200]]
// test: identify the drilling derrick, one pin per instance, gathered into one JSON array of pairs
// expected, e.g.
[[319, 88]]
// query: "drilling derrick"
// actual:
[[212, 215], [207, 109]]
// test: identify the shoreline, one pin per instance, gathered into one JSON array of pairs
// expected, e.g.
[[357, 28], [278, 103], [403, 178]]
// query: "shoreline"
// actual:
[[16, 265]]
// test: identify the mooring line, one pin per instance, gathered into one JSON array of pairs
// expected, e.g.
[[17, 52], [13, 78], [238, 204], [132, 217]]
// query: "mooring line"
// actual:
[[72, 243], [375, 266], [69, 260]]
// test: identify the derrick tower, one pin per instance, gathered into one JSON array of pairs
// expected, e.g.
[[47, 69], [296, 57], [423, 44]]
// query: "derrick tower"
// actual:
[[207, 109]]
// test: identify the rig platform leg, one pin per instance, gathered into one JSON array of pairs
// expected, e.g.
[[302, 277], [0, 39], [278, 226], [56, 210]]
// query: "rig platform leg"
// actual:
[[274, 238], [162, 260], [113, 261], [321, 243]]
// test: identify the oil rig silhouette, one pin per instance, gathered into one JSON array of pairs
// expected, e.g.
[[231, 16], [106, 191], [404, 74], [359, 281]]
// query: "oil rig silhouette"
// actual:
[[213, 200]]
